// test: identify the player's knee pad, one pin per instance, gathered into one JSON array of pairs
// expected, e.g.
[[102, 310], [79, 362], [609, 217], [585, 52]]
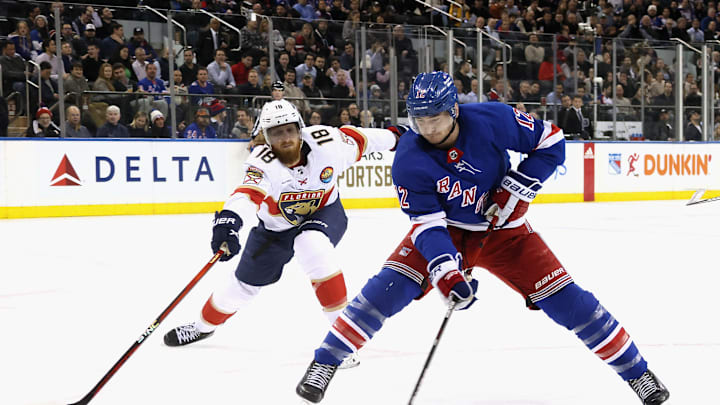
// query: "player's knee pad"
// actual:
[[223, 303], [570, 307], [315, 254], [383, 296]]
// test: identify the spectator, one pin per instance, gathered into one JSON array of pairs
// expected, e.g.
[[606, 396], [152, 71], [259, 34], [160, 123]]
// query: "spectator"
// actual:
[[201, 86], [138, 41], [305, 41], [218, 120], [262, 69], [312, 92], [316, 118], [464, 75], [122, 56], [49, 55], [292, 92], [104, 29], [681, 30], [696, 34], [574, 125], [189, 69], [281, 20], [73, 127], [629, 86], [158, 129], [322, 80], [80, 23], [463, 98], [209, 42], [555, 97], [347, 59], [693, 132], [351, 26], [152, 84], [89, 37], [524, 94], [104, 83], [275, 36], [240, 70], [67, 58], [110, 44], [693, 97], [39, 33], [527, 24], [622, 103], [221, 75], [13, 68], [407, 57], [335, 70], [22, 40], [120, 80], [76, 83], [243, 124], [252, 41], [200, 129], [661, 130], [112, 127], [343, 118], [42, 126], [266, 88], [605, 66], [48, 85], [342, 90], [546, 71], [324, 38], [293, 55], [140, 64], [282, 66], [304, 10], [306, 68], [138, 128], [252, 86], [711, 33]]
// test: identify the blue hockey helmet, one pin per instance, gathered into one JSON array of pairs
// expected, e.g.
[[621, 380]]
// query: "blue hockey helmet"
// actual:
[[431, 94]]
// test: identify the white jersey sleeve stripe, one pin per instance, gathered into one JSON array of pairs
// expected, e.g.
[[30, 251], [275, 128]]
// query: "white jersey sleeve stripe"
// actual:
[[425, 222], [550, 136]]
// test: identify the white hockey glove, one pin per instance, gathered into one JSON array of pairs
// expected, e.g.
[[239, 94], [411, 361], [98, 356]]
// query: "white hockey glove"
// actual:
[[511, 199], [446, 277]]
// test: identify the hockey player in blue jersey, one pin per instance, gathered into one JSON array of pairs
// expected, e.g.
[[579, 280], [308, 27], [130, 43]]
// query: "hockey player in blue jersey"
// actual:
[[466, 205]]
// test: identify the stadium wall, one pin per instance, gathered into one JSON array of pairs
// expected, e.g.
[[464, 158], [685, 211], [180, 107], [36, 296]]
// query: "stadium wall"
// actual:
[[64, 177]]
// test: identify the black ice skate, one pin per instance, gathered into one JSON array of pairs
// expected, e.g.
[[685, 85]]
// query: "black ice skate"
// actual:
[[185, 334], [650, 390], [313, 385]]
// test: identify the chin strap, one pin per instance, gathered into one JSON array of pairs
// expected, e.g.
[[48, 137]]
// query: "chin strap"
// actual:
[[446, 136]]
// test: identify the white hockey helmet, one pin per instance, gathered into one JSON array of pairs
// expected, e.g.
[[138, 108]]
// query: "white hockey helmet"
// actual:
[[279, 112]]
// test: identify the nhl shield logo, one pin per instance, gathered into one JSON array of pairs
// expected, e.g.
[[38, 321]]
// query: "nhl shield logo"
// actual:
[[296, 207], [614, 163]]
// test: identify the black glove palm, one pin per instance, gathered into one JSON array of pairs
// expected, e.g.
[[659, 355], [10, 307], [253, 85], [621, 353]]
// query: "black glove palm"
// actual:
[[226, 226]]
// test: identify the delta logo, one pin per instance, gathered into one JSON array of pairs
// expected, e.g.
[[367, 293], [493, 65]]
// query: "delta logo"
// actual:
[[129, 168], [65, 174]]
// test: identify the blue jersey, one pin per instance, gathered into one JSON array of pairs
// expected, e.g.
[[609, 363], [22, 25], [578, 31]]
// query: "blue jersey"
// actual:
[[439, 187]]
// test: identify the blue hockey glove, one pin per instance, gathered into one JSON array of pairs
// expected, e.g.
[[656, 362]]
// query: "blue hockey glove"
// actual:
[[226, 226], [450, 282], [512, 198]]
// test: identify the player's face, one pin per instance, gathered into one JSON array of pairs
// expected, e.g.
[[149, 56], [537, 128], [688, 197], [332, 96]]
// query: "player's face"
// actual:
[[435, 128], [285, 142]]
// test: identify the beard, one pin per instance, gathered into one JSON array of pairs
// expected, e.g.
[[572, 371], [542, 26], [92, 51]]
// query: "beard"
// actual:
[[288, 157]]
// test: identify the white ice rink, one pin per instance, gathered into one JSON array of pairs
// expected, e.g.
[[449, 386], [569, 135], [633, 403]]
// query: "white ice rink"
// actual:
[[75, 293]]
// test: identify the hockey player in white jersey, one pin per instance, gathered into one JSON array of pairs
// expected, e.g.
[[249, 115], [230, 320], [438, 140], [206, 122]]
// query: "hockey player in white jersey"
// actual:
[[291, 182]]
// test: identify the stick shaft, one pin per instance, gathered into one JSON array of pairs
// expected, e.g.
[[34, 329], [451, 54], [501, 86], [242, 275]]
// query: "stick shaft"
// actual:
[[149, 330], [449, 312]]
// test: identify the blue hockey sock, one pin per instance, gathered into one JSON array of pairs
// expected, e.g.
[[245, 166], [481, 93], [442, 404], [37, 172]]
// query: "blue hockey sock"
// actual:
[[578, 310], [383, 296]]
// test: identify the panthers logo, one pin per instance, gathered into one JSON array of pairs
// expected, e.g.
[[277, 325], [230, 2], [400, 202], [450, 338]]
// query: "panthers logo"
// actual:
[[296, 207]]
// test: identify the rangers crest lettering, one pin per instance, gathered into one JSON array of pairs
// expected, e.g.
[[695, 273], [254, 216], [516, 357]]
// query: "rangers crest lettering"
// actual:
[[296, 206]]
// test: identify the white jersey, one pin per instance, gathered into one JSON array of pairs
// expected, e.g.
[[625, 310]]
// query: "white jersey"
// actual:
[[285, 196]]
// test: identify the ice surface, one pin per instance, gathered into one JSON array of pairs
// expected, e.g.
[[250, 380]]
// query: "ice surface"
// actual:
[[76, 292]]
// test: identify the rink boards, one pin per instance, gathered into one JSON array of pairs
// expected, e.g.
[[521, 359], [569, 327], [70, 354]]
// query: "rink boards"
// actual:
[[45, 178]]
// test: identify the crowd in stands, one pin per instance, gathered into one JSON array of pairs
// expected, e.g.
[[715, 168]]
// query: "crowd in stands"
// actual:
[[548, 70]]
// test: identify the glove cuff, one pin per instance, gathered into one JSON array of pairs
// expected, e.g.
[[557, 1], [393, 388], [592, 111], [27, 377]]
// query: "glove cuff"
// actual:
[[523, 187], [442, 272], [228, 218]]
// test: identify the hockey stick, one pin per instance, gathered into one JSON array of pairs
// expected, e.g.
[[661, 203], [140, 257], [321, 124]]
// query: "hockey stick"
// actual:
[[696, 198], [150, 329], [449, 312]]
